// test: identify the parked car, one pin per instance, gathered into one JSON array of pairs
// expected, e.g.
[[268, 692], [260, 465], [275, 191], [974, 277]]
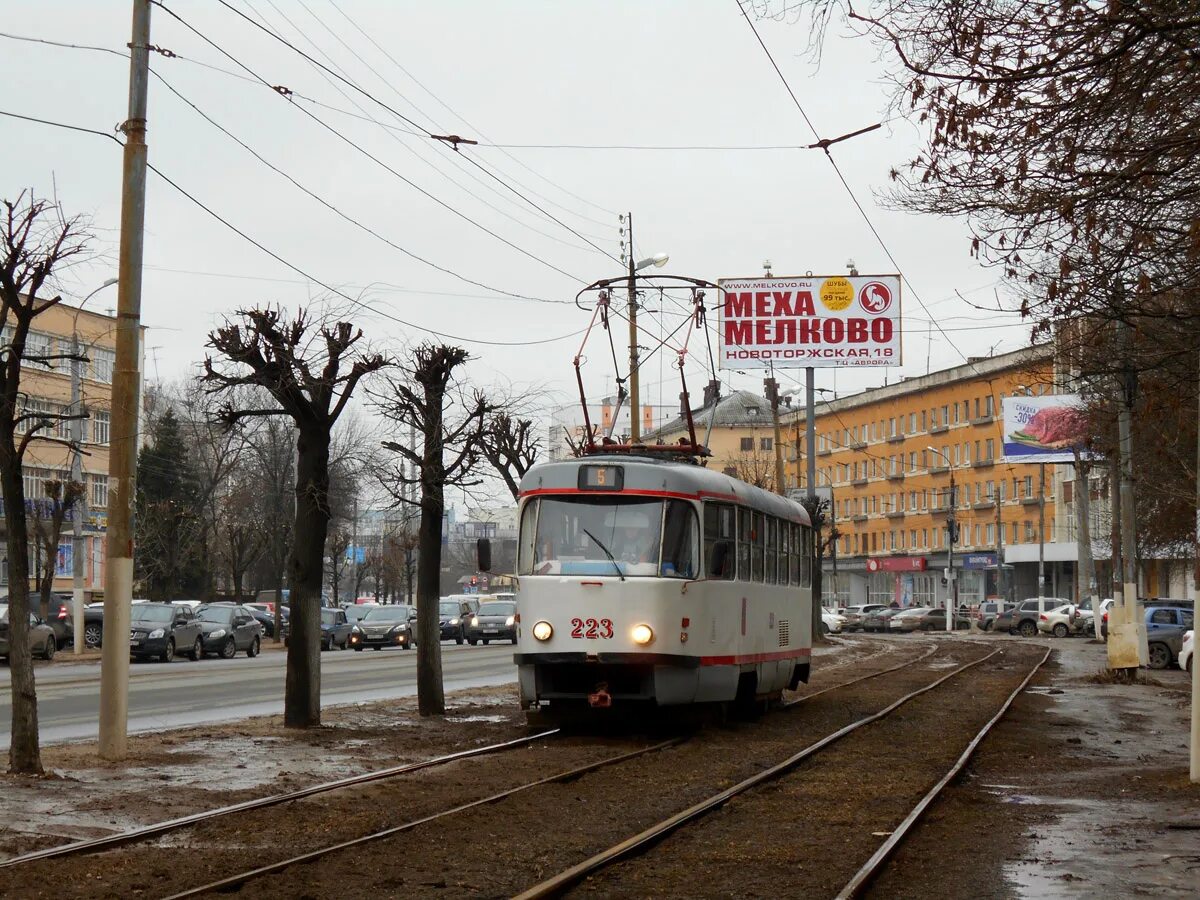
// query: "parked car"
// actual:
[[495, 620], [385, 626], [1165, 628], [472, 601], [1023, 618], [159, 630], [1065, 620], [924, 618], [856, 614], [266, 618], [42, 640], [452, 619], [879, 620], [336, 629], [985, 614], [831, 622], [226, 628], [1185, 653]]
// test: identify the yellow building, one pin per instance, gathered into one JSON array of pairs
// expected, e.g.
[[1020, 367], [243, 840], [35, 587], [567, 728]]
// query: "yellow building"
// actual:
[[886, 456], [48, 458]]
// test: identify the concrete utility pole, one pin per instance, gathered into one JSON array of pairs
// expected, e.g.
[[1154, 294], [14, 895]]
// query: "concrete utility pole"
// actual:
[[1083, 537], [1195, 746], [952, 527], [1041, 529], [126, 403], [635, 408], [80, 509]]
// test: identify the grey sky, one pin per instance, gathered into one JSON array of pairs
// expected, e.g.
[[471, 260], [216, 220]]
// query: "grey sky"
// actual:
[[551, 72]]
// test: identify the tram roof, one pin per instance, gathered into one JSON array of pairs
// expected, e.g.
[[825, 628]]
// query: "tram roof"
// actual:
[[659, 477]]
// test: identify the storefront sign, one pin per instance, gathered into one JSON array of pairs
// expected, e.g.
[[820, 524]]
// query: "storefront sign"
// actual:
[[979, 560], [898, 564]]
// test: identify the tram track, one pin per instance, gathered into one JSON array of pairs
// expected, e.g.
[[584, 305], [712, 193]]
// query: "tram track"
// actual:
[[251, 877]]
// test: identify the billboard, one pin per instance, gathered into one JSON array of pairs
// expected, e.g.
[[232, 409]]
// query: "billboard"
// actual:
[[1044, 429], [812, 320]]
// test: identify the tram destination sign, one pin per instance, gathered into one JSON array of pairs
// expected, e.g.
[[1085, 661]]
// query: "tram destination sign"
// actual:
[[823, 321]]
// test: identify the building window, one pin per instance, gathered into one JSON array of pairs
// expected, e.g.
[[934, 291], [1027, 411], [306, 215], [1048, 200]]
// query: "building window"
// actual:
[[99, 492], [747, 444], [100, 426], [103, 362], [991, 448], [987, 405], [765, 443], [39, 344], [1028, 485], [912, 422], [991, 535], [1028, 531]]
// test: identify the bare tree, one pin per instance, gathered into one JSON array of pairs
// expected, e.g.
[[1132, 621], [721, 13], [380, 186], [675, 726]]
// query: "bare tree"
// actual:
[[450, 420], [35, 240], [239, 526], [511, 446], [310, 370], [62, 499], [756, 467], [272, 448]]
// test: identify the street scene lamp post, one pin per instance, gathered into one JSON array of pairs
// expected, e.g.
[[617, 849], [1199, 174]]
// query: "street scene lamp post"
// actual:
[[951, 529]]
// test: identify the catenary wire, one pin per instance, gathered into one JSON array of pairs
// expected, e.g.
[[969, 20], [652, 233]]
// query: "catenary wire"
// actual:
[[350, 142], [299, 271]]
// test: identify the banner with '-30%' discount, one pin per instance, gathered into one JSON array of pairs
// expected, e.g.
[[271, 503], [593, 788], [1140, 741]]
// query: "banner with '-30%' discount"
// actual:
[[811, 320]]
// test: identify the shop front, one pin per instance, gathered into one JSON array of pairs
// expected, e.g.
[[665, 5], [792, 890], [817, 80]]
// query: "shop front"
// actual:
[[901, 581]]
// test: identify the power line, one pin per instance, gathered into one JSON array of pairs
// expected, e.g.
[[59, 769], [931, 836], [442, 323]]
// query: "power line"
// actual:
[[331, 207], [376, 100], [246, 237], [842, 179], [351, 142]]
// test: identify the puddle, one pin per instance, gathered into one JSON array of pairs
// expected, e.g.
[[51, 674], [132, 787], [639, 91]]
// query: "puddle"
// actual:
[[463, 719]]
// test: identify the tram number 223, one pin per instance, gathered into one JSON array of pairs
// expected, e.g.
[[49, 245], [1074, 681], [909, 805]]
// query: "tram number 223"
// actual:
[[592, 629]]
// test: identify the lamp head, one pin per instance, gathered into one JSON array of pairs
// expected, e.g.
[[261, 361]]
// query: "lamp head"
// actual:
[[658, 260]]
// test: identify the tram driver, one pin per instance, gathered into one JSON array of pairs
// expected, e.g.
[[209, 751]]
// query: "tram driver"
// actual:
[[635, 540]]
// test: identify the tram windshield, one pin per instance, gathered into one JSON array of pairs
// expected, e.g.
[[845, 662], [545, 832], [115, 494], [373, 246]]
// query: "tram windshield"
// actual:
[[609, 535]]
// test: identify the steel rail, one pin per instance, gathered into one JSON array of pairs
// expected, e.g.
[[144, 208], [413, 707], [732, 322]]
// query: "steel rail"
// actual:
[[870, 869], [903, 665], [553, 887], [138, 834], [234, 881]]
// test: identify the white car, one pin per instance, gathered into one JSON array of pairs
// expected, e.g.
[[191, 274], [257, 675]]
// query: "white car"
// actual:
[[1064, 620], [1185, 655], [831, 622]]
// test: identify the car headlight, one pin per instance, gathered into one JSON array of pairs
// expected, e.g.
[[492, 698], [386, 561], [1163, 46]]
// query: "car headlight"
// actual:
[[356, 630], [474, 621], [220, 632], [156, 633], [510, 621], [642, 634], [454, 621], [542, 631]]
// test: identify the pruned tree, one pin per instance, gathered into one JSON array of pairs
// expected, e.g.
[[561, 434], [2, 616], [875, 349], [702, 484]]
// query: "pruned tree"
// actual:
[[510, 444], [756, 467], [35, 241], [49, 515], [450, 420], [310, 370]]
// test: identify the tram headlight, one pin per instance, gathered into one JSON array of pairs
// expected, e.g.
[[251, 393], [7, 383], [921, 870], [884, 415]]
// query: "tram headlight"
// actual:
[[542, 630], [642, 634]]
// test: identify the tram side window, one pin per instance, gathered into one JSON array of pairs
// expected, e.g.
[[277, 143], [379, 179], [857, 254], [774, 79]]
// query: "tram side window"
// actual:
[[681, 542], [528, 532], [719, 525], [806, 556], [785, 550], [758, 536], [797, 550], [743, 543], [772, 530]]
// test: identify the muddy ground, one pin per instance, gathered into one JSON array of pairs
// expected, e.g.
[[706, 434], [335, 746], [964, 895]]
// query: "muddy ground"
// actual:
[[1072, 795]]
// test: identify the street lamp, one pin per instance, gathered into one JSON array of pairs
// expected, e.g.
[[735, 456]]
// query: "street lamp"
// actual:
[[76, 426], [658, 260], [951, 612], [1041, 515]]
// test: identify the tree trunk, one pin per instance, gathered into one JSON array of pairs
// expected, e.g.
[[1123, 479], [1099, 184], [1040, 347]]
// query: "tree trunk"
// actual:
[[431, 697], [302, 693], [46, 581], [24, 753], [278, 567]]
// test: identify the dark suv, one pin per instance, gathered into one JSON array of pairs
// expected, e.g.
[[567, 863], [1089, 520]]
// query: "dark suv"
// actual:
[[1022, 619], [159, 630], [985, 614], [452, 618]]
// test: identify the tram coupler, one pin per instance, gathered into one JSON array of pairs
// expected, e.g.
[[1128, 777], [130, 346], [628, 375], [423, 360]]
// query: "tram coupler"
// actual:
[[600, 698]]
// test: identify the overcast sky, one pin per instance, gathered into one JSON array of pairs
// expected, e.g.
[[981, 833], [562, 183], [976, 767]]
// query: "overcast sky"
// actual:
[[584, 72]]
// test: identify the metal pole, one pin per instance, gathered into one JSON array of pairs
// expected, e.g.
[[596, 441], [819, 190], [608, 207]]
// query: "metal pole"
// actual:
[[635, 408], [1128, 533], [810, 433], [952, 592], [80, 509], [1041, 530], [999, 539], [1083, 536], [1195, 744], [126, 403], [773, 396]]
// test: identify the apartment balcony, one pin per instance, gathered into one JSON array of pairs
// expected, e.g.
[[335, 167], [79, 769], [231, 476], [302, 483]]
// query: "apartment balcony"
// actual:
[[985, 504], [896, 476], [983, 463], [938, 470], [983, 420], [896, 439], [861, 517], [938, 429], [858, 445], [896, 514], [1030, 501], [858, 482]]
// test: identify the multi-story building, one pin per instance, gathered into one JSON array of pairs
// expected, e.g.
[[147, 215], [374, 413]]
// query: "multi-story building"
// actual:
[[567, 427], [48, 390], [886, 457], [738, 431]]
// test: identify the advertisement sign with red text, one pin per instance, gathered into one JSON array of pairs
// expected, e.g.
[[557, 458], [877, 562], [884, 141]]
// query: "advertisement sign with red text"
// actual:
[[1046, 429], [810, 320]]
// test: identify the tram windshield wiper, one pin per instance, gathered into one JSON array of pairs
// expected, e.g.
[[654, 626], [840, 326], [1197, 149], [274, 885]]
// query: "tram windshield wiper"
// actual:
[[607, 552]]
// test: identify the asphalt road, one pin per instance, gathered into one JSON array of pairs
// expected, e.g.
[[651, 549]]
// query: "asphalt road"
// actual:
[[171, 695]]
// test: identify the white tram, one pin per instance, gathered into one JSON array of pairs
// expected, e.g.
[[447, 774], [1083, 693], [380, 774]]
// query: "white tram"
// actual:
[[644, 581]]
